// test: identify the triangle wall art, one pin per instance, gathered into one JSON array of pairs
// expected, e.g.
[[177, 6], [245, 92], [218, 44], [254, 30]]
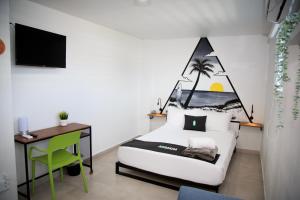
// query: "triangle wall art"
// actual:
[[204, 84]]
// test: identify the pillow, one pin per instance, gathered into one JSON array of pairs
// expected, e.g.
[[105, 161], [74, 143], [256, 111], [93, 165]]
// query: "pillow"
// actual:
[[175, 116], [195, 112], [217, 121], [196, 123]]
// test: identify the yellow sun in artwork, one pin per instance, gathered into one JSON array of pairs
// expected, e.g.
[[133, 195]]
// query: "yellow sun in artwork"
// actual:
[[216, 87]]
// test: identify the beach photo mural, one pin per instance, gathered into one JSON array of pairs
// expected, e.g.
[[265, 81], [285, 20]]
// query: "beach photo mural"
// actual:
[[205, 85]]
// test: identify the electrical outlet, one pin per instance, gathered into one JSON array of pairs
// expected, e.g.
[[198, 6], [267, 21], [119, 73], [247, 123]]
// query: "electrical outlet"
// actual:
[[4, 184]]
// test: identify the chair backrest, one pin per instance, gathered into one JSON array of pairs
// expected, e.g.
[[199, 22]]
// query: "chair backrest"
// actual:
[[63, 141]]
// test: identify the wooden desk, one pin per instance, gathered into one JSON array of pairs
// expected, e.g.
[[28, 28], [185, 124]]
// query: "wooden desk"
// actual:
[[48, 133]]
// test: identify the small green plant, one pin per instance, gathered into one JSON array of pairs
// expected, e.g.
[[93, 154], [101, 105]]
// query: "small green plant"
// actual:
[[63, 115]]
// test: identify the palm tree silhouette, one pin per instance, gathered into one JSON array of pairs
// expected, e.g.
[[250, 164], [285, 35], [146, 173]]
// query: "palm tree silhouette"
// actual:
[[202, 67]]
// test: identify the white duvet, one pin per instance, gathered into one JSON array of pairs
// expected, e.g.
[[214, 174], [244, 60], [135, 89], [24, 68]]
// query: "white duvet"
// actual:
[[177, 166]]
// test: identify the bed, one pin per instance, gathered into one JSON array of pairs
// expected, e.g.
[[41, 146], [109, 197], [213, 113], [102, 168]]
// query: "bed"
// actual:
[[179, 167]]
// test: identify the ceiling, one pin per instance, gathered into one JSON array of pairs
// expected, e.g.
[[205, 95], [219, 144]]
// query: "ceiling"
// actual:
[[170, 18]]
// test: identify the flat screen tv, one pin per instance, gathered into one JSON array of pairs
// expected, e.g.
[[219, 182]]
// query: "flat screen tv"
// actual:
[[35, 47]]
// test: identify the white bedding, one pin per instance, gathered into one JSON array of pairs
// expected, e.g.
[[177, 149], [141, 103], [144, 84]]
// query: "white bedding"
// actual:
[[177, 166]]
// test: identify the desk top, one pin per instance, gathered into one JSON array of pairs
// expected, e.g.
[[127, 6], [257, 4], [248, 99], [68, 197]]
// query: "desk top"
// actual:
[[47, 133]]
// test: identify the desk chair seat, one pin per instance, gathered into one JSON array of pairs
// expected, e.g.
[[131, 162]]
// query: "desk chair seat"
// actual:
[[56, 157], [60, 158]]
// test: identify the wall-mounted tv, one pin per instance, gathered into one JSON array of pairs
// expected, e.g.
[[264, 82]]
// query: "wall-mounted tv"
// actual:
[[35, 47]]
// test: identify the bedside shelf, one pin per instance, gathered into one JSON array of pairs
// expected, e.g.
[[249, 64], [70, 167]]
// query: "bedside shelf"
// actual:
[[151, 115], [255, 125]]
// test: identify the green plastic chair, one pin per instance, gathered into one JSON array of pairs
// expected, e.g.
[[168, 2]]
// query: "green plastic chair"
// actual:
[[57, 156]]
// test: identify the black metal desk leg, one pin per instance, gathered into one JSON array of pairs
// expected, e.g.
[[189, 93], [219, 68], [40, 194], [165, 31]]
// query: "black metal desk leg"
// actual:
[[91, 155], [27, 175]]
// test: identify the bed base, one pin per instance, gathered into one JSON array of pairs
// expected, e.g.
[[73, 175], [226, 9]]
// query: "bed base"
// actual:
[[162, 184]]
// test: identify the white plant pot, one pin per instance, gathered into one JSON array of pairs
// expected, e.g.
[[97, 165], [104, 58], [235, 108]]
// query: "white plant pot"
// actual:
[[63, 122]]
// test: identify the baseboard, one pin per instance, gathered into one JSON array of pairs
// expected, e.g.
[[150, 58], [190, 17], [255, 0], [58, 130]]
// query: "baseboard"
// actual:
[[112, 148], [249, 151], [263, 177]]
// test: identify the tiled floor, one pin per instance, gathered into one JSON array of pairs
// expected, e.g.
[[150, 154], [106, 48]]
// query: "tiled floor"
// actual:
[[243, 180]]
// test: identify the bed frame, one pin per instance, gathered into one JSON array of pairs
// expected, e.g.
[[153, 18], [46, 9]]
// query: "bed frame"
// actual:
[[162, 184]]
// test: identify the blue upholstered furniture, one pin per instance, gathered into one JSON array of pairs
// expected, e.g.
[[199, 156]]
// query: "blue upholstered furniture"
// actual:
[[189, 193]]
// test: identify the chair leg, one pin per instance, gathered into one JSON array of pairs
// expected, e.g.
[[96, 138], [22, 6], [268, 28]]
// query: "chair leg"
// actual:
[[83, 176], [53, 197], [33, 175], [61, 174]]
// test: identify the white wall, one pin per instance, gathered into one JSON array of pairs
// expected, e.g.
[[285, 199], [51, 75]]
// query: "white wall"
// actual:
[[113, 80], [281, 147], [244, 58], [98, 87], [7, 148]]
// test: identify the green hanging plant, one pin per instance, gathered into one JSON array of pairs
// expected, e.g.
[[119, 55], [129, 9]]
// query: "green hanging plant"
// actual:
[[281, 71], [297, 95]]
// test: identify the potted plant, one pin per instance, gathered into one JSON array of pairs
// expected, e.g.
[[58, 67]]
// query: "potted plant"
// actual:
[[63, 116]]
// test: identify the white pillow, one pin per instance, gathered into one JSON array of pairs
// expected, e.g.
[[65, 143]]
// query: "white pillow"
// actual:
[[195, 112], [217, 121], [175, 116], [234, 127]]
